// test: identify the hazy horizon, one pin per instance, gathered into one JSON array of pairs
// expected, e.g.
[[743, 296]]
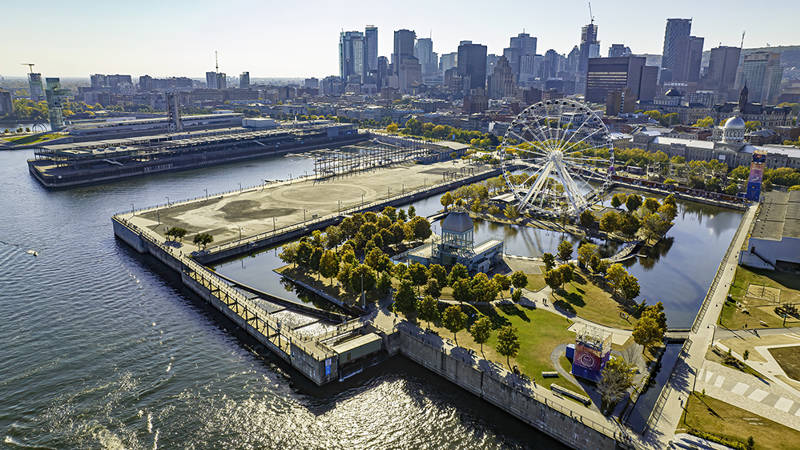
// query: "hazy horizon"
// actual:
[[279, 40]]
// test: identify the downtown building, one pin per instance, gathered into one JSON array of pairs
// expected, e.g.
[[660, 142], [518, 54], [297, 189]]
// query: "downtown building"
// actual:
[[627, 76], [521, 55], [682, 54], [761, 73], [723, 66], [406, 71]]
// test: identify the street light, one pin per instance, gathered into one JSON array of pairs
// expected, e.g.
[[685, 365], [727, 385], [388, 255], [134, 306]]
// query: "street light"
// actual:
[[167, 196], [206, 189]]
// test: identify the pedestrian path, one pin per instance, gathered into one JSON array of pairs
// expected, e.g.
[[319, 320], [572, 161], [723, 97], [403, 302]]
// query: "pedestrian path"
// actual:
[[745, 391]]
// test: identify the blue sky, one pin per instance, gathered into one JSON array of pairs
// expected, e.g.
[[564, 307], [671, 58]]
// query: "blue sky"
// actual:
[[300, 38]]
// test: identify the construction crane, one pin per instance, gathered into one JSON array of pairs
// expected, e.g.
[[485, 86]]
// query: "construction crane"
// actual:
[[30, 66], [591, 16], [742, 44], [216, 61]]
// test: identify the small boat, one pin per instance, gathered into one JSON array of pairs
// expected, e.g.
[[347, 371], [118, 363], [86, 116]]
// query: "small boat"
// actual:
[[32, 252]]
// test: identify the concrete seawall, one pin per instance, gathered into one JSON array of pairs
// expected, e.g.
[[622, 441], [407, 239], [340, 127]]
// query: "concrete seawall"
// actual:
[[507, 392]]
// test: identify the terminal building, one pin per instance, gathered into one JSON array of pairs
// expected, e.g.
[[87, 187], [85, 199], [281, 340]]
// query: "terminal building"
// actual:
[[457, 245], [774, 243]]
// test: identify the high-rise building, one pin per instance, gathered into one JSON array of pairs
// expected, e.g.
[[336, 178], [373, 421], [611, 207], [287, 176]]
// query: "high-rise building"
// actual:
[[222, 81], [722, 67], [472, 65], [351, 54], [55, 97], [675, 57], [244, 80], [370, 49], [520, 55], [607, 75], [405, 66], [761, 72], [448, 61], [649, 83], [551, 64], [403, 46], [211, 80], [501, 80], [618, 50], [6, 105], [98, 81], [311, 83], [35, 87], [428, 59], [382, 76], [590, 46], [695, 59]]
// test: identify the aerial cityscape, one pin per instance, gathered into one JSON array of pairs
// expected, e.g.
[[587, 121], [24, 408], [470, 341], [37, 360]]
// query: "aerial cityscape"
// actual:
[[448, 225]]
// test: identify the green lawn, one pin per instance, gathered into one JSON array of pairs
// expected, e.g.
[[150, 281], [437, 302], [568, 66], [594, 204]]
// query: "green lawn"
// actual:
[[789, 360], [535, 282], [540, 332], [726, 421], [32, 139], [759, 310], [592, 302]]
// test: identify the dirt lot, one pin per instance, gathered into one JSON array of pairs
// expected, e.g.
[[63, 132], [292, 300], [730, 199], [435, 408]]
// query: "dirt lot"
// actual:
[[789, 360]]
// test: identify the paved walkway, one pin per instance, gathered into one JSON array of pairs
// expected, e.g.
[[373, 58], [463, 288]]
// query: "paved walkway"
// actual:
[[681, 382], [745, 391]]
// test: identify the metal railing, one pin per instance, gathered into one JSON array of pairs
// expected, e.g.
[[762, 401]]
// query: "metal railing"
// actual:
[[655, 413]]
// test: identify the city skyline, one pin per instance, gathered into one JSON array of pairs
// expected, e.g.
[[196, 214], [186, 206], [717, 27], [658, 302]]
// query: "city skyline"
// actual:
[[307, 40]]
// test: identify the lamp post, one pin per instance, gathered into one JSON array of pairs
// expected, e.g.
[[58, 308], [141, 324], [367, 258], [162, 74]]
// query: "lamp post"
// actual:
[[206, 190], [167, 196], [133, 210]]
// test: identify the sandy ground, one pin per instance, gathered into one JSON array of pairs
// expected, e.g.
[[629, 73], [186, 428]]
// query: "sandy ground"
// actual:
[[278, 205]]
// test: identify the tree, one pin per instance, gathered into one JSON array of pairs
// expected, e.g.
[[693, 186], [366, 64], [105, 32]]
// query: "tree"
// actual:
[[629, 287], [428, 310], [615, 274], [553, 279], [329, 265], [203, 239], [610, 221], [633, 202], [511, 211], [752, 125], [549, 261], [377, 260], [566, 272], [446, 200], [438, 272], [503, 282], [564, 250], [333, 236], [706, 122], [617, 378], [519, 279], [454, 320], [288, 254], [412, 212], [462, 291], [176, 232], [392, 128], [594, 262], [508, 342], [657, 312], [404, 300], [587, 219], [651, 204], [433, 289], [618, 199], [585, 253], [420, 227], [390, 212], [384, 283], [418, 274], [364, 277], [457, 272], [647, 332], [481, 330], [401, 215]]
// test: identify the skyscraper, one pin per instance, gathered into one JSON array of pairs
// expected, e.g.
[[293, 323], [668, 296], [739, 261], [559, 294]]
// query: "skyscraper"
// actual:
[[722, 67], [244, 80], [448, 61], [211, 80], [351, 54], [551, 64], [761, 73], [370, 48], [590, 46], [403, 45], [520, 55], [423, 50], [501, 81], [405, 66], [695, 58], [55, 98], [675, 57], [472, 65], [35, 85]]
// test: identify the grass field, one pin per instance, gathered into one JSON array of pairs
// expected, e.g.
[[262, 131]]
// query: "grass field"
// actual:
[[539, 333], [31, 139], [789, 360], [759, 310], [721, 419], [592, 302]]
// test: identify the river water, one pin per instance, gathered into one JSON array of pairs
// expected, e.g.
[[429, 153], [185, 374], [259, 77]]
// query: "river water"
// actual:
[[102, 349]]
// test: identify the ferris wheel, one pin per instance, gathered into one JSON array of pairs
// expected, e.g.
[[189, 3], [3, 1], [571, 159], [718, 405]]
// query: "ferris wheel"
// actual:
[[557, 158]]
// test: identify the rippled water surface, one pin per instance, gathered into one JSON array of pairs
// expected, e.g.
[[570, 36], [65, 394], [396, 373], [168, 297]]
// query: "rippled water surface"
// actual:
[[100, 348]]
